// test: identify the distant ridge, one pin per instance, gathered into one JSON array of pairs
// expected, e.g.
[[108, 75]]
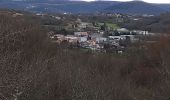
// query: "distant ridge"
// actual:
[[135, 7], [60, 6]]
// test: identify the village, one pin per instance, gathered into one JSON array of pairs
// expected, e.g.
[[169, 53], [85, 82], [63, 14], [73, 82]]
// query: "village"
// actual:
[[99, 37]]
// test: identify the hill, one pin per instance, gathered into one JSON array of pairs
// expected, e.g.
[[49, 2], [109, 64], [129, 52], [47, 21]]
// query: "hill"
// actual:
[[74, 7], [164, 6], [62, 6], [155, 24], [135, 7], [58, 6]]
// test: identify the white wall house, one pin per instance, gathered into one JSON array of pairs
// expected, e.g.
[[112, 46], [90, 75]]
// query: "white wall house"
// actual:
[[101, 39], [82, 39], [79, 34], [117, 37]]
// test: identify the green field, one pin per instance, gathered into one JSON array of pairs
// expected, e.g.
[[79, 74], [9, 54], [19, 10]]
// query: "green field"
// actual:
[[112, 26]]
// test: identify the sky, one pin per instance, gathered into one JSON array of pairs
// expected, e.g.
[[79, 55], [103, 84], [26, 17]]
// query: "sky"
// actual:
[[150, 1]]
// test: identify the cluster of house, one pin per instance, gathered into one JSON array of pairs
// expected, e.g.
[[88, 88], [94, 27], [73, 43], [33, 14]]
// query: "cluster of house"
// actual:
[[83, 39], [98, 41]]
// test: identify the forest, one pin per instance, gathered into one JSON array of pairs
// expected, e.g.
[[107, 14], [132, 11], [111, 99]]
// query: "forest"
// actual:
[[155, 24]]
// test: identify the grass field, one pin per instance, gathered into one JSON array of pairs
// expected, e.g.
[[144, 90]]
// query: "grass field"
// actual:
[[112, 26]]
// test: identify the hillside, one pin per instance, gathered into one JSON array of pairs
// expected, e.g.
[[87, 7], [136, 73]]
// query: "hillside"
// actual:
[[164, 6], [58, 6], [74, 7], [156, 24], [135, 7]]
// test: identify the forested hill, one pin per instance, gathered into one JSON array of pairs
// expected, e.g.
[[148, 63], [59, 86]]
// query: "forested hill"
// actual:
[[136, 7], [61, 6]]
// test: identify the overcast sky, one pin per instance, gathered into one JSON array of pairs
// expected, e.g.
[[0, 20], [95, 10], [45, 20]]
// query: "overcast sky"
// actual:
[[150, 1]]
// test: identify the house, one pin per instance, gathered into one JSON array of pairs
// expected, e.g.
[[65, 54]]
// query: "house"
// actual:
[[122, 30], [71, 38], [117, 38], [138, 32], [17, 14], [132, 38], [81, 34], [82, 39], [57, 36], [91, 42], [95, 35], [101, 39], [101, 32], [100, 24], [83, 25], [57, 17]]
